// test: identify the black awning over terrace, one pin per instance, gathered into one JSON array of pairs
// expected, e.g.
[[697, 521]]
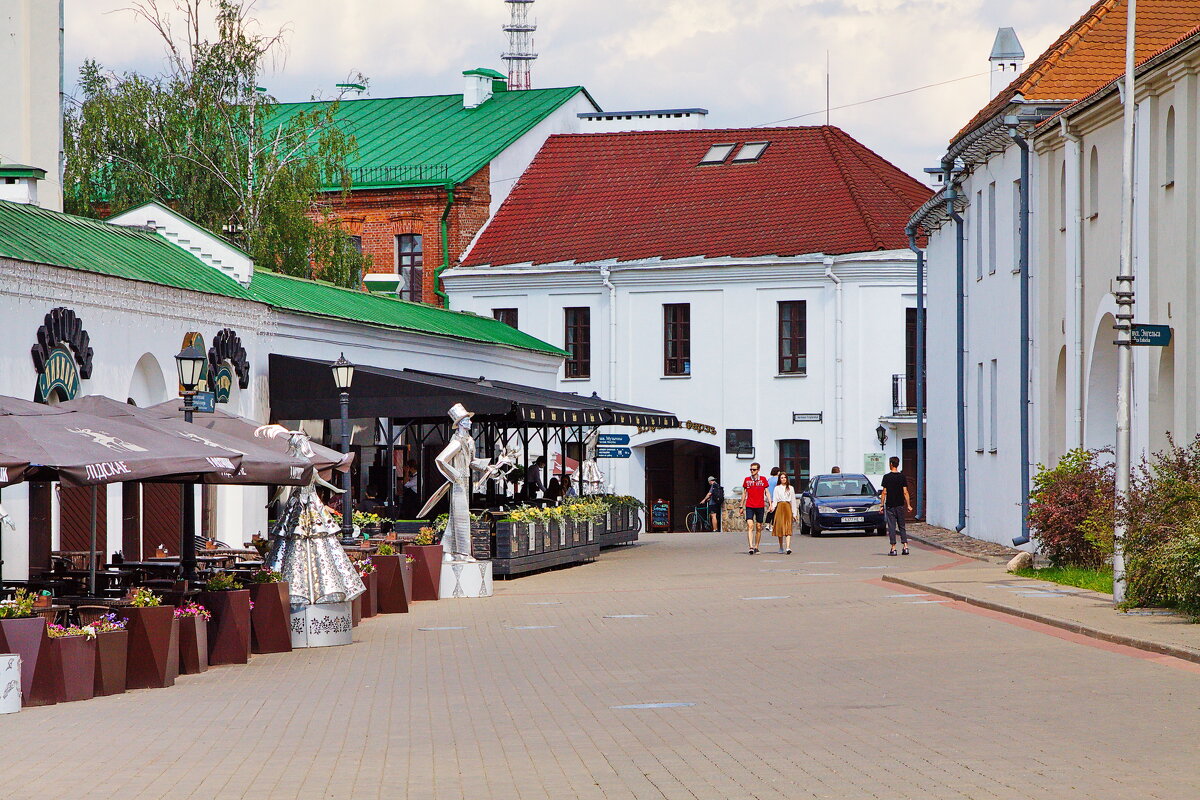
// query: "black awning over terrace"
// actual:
[[302, 388]]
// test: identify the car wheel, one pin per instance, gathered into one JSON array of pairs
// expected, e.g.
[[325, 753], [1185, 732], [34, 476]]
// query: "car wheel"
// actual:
[[803, 528], [815, 530]]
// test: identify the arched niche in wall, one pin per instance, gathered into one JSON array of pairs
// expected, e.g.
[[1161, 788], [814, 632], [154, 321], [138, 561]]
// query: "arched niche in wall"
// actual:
[[148, 386], [1100, 411]]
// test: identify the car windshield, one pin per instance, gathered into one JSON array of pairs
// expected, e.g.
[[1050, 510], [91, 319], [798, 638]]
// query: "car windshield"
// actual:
[[849, 486]]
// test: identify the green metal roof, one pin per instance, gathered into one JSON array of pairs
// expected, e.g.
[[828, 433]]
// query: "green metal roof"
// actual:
[[421, 141], [21, 171], [30, 233], [485, 72], [326, 300]]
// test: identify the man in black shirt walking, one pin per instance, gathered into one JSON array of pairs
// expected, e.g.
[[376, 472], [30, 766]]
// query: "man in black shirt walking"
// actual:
[[895, 502]]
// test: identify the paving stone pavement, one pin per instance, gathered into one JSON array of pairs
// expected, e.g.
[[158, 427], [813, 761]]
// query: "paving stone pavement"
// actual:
[[804, 676]]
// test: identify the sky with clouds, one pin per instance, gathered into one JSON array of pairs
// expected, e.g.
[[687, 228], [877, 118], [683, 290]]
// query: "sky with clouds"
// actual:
[[750, 62]]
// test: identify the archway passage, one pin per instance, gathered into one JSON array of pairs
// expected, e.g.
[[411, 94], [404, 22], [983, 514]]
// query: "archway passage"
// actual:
[[677, 471]]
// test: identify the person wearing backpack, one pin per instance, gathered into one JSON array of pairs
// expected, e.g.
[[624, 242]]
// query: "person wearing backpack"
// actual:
[[714, 500]]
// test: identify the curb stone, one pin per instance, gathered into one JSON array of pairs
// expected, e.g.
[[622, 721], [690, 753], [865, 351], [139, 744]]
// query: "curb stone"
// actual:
[[1183, 653]]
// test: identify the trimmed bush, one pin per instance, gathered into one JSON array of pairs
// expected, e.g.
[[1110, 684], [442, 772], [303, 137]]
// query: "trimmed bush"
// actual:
[[1071, 509]]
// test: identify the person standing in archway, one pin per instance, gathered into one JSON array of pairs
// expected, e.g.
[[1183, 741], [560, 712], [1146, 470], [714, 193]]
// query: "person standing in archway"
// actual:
[[754, 502]]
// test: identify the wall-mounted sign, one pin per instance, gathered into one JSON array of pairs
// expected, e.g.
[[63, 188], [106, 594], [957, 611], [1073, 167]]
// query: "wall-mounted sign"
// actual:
[[1150, 335], [873, 463], [739, 441], [204, 401], [59, 378], [222, 382], [809, 417], [698, 427], [613, 452], [227, 351], [62, 355], [612, 439]]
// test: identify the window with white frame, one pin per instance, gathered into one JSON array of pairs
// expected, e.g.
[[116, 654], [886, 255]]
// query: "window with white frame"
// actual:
[[993, 411], [1016, 215], [979, 432], [991, 227], [977, 232]]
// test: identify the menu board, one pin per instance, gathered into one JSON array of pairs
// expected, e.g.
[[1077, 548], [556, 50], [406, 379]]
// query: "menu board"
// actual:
[[660, 516]]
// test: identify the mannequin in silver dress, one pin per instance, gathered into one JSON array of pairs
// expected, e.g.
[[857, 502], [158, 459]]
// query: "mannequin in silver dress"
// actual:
[[457, 462]]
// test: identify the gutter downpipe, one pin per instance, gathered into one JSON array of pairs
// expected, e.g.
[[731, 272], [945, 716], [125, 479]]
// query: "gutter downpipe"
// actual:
[[960, 338], [1023, 263], [839, 390], [911, 231], [606, 279], [1075, 145], [437, 275]]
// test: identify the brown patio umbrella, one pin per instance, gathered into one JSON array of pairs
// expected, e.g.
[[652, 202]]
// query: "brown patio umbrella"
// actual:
[[82, 449], [261, 465], [243, 429]]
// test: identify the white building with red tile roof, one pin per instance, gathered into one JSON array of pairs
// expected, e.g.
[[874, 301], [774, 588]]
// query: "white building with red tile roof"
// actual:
[[982, 448], [756, 282]]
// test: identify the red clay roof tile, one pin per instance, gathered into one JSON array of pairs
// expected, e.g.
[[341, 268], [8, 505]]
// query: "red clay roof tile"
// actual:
[[641, 195]]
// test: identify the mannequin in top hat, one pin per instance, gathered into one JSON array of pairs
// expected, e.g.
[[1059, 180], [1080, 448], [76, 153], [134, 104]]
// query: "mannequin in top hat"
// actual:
[[458, 463]]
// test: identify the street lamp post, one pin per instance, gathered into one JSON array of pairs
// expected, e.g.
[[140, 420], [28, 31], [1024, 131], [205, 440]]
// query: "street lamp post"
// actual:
[[343, 375], [190, 364], [881, 435]]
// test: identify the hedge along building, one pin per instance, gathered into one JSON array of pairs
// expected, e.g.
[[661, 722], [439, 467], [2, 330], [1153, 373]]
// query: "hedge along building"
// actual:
[[429, 171], [1011, 394], [756, 282], [93, 307]]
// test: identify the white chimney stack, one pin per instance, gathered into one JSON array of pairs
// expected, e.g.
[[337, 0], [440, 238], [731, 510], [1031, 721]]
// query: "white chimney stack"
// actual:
[[481, 84], [19, 183], [1007, 60]]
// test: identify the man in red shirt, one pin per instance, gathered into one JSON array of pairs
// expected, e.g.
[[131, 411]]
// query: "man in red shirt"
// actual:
[[754, 501]]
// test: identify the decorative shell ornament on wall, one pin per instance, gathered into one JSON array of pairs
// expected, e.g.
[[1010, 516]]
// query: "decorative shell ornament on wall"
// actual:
[[227, 346], [61, 328]]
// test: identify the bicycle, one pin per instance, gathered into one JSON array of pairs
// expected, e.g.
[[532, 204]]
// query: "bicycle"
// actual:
[[697, 520]]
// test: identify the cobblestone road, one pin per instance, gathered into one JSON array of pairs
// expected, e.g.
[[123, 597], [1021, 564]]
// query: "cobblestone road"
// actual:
[[802, 676]]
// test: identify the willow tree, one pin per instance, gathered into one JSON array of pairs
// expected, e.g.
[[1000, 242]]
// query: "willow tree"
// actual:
[[204, 138]]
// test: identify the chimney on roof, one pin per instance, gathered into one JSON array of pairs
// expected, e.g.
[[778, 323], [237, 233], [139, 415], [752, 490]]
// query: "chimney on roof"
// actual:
[[1007, 60], [18, 183], [480, 84]]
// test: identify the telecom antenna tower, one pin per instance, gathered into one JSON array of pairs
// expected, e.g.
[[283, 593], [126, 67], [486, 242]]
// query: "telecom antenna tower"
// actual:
[[520, 44]]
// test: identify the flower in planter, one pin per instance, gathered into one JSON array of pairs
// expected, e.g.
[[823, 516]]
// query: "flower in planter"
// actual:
[[424, 537], [20, 607], [144, 598], [266, 575], [222, 582], [409, 560], [61, 632], [365, 567], [110, 622], [193, 610]]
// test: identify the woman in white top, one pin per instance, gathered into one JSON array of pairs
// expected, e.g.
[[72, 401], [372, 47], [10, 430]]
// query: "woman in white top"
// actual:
[[784, 499]]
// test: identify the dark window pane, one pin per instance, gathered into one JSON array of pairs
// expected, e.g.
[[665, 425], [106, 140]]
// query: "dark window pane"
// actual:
[[793, 347], [506, 315], [677, 339], [409, 263], [577, 340]]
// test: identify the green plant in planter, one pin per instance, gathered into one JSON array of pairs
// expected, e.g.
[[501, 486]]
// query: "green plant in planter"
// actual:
[[63, 631], [144, 598], [222, 582], [266, 575], [364, 518], [20, 607], [424, 537], [109, 623], [386, 549]]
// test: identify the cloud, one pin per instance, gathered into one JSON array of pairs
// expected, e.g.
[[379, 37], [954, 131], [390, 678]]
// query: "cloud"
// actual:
[[749, 62]]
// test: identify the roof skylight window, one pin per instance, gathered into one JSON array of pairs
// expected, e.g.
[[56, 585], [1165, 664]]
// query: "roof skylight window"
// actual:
[[751, 151], [717, 154]]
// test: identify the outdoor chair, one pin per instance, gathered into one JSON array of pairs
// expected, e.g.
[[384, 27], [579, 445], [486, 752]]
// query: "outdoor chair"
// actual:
[[89, 614]]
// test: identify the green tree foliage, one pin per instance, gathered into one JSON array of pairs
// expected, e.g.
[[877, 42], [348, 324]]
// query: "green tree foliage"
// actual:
[[205, 139], [1071, 509]]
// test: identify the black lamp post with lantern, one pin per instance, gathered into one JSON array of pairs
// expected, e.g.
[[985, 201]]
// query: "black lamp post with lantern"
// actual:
[[190, 364], [343, 376]]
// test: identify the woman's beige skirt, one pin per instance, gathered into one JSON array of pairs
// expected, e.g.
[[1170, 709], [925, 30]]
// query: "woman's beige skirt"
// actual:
[[781, 521]]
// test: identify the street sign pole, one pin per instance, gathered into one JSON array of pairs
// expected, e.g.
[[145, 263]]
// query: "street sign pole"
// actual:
[[1124, 324]]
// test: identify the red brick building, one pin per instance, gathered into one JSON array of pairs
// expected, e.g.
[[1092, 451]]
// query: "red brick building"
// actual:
[[430, 171]]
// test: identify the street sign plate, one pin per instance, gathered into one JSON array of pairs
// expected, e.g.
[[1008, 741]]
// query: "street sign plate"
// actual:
[[610, 439], [1151, 335], [614, 452], [801, 417], [204, 402]]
